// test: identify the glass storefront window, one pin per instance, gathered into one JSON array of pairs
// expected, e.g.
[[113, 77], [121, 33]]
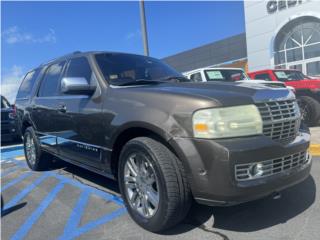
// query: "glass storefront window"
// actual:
[[313, 68], [294, 55], [280, 57], [312, 51], [298, 43], [296, 67]]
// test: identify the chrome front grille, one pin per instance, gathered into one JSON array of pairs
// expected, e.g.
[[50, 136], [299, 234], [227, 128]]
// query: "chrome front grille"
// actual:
[[243, 172], [281, 119]]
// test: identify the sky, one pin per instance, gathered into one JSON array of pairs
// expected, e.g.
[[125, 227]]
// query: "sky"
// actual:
[[35, 32]]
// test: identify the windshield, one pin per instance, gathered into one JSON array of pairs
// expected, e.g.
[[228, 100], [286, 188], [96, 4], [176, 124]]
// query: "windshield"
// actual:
[[290, 75], [121, 68], [4, 102], [229, 75]]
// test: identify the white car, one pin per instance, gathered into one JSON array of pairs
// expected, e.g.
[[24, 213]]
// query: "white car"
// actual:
[[212, 74]]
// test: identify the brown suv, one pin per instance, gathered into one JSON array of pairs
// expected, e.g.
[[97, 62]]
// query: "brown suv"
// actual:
[[165, 139]]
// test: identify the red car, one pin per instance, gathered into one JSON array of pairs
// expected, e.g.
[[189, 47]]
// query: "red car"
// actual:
[[307, 90]]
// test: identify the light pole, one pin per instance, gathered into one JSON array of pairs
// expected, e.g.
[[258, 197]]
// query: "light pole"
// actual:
[[144, 28]]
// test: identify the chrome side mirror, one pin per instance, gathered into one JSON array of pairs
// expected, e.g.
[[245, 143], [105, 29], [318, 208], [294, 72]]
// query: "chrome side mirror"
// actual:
[[76, 85]]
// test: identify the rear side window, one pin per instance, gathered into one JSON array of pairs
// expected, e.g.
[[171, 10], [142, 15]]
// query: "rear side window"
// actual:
[[263, 76], [27, 84], [79, 67], [51, 81]]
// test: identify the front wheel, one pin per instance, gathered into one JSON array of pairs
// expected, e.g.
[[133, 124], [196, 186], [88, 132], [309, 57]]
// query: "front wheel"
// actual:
[[153, 184], [310, 110]]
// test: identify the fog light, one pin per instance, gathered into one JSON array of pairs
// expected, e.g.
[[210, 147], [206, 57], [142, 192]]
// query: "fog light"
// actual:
[[13, 130], [256, 170]]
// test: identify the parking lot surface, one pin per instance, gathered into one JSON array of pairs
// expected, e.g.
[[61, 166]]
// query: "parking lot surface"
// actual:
[[71, 203]]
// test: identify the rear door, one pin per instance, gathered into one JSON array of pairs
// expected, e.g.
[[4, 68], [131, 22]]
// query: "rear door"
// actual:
[[80, 125], [45, 106]]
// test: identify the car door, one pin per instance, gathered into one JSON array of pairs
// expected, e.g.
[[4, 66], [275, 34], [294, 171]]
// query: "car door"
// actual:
[[44, 106], [79, 123]]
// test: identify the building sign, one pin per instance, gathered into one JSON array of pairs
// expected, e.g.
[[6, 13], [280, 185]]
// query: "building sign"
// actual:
[[278, 5]]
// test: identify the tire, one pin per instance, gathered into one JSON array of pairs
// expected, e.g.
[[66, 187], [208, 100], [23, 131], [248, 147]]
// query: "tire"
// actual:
[[310, 110], [42, 160], [174, 195]]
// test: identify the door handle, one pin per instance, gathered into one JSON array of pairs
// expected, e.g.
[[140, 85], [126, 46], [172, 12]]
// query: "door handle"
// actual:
[[62, 108]]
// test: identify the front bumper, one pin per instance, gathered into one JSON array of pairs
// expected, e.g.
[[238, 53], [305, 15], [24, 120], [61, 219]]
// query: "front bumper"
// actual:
[[210, 165]]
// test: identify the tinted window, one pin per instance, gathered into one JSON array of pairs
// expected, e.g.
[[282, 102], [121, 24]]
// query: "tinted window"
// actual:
[[225, 75], [27, 84], [290, 75], [118, 68], [263, 76], [196, 77], [50, 83], [4, 102], [79, 67]]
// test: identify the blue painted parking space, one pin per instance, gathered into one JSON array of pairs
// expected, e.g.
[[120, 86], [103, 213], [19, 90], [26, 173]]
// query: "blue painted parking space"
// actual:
[[72, 203], [15, 172]]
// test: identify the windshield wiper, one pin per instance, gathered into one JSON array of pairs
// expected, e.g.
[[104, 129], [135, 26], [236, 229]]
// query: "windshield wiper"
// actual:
[[139, 82]]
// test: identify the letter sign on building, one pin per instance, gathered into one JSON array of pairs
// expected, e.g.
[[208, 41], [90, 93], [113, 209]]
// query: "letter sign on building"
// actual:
[[278, 5]]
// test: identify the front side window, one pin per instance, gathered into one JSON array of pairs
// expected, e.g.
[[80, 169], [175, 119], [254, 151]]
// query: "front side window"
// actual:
[[119, 68], [79, 67], [225, 75], [50, 83], [196, 77], [27, 84], [290, 76]]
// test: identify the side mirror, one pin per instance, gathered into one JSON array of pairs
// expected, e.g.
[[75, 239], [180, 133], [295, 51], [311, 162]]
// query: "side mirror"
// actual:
[[76, 85]]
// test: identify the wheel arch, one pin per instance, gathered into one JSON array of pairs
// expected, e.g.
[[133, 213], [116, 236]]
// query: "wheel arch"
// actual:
[[25, 124], [133, 131]]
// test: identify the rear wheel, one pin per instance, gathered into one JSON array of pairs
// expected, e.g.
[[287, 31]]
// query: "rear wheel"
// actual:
[[153, 184], [310, 110], [35, 157]]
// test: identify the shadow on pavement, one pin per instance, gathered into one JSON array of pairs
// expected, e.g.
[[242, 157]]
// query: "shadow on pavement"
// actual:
[[267, 212], [12, 209], [87, 177], [13, 142], [248, 217], [252, 216]]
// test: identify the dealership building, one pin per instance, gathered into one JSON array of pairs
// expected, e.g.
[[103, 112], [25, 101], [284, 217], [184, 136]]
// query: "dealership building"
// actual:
[[279, 34]]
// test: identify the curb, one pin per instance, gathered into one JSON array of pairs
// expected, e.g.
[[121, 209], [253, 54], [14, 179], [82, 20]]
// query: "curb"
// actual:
[[314, 149]]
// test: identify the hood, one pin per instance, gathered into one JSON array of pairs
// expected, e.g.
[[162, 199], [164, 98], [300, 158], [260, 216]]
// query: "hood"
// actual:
[[223, 93]]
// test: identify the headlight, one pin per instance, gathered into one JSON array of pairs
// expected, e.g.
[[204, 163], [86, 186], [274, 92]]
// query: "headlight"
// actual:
[[227, 122]]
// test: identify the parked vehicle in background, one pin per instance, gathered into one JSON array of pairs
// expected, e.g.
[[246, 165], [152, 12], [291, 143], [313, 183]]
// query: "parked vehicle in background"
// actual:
[[217, 74], [164, 138], [307, 90], [9, 130]]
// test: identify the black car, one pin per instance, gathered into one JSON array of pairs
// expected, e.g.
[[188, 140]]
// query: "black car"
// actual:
[[8, 121], [165, 139]]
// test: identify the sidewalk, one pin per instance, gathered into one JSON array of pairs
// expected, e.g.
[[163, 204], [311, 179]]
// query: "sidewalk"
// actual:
[[315, 141]]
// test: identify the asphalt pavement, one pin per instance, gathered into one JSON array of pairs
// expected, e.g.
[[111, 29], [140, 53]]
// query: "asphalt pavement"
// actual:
[[72, 203]]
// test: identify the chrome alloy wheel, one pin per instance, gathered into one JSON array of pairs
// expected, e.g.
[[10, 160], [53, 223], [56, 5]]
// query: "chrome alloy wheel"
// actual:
[[30, 149], [141, 185]]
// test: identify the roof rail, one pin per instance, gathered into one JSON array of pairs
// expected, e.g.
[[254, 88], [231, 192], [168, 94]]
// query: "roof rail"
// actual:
[[66, 55]]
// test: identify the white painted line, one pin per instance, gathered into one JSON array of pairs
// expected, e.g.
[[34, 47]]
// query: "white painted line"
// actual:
[[11, 146]]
